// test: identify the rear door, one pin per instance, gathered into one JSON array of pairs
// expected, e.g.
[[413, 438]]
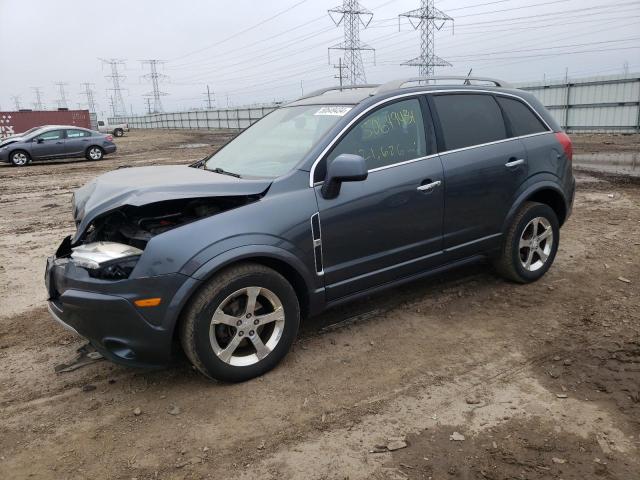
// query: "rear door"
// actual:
[[48, 145], [483, 168], [389, 225], [76, 142]]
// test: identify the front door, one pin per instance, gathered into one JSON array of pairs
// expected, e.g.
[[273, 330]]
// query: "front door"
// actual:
[[48, 145], [389, 225], [483, 168]]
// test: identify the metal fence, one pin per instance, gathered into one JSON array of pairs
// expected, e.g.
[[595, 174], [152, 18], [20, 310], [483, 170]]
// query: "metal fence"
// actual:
[[594, 104], [228, 118]]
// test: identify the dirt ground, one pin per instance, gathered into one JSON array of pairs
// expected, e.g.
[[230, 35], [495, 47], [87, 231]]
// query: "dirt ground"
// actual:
[[463, 376]]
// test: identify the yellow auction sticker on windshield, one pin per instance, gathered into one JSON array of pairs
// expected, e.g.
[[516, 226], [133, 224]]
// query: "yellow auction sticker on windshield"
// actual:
[[334, 110]]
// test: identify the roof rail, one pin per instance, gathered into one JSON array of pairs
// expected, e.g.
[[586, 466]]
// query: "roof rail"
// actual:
[[316, 93], [395, 84]]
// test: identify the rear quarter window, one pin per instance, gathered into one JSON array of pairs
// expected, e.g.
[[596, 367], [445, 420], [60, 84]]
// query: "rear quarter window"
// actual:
[[522, 120], [469, 119]]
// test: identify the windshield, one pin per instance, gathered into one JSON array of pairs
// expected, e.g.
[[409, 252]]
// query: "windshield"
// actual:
[[275, 144]]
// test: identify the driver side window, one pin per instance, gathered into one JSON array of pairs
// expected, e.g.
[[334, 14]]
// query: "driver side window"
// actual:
[[389, 135], [52, 135]]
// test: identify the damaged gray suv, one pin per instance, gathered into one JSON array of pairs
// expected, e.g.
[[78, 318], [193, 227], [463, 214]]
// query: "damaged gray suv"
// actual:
[[332, 197]]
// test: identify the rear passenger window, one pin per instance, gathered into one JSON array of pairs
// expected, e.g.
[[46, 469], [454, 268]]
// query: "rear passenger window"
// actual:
[[77, 134], [523, 121], [468, 120], [389, 135]]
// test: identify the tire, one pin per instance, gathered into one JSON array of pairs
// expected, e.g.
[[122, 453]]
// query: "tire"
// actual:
[[19, 158], [522, 259], [94, 153], [118, 132], [235, 353]]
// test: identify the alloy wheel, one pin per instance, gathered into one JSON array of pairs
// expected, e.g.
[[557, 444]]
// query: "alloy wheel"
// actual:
[[20, 159], [536, 242], [247, 326], [95, 154]]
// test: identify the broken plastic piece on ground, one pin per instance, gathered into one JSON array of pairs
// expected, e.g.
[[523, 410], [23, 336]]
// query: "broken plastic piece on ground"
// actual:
[[86, 355]]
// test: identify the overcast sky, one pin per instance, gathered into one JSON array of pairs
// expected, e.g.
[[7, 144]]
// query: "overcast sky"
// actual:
[[245, 56]]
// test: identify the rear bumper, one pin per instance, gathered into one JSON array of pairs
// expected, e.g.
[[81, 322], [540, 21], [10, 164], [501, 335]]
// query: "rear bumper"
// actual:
[[110, 148], [104, 313]]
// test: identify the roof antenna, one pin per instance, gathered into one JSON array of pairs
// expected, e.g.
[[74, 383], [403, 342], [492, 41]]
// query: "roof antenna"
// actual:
[[466, 81]]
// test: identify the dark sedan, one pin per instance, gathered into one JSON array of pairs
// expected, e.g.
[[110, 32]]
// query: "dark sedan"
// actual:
[[54, 142]]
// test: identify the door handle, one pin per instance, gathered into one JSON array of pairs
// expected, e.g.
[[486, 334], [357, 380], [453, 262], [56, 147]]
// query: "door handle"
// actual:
[[515, 163], [429, 186]]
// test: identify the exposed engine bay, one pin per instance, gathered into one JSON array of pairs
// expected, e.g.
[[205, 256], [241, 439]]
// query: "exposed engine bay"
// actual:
[[135, 226]]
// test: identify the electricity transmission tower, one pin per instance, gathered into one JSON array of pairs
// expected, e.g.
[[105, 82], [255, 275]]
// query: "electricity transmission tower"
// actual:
[[427, 19], [117, 102], [62, 100], [210, 94], [155, 78], [352, 16], [88, 92], [16, 101], [37, 105]]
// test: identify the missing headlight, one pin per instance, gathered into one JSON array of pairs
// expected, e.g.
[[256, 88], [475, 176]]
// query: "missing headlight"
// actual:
[[106, 260]]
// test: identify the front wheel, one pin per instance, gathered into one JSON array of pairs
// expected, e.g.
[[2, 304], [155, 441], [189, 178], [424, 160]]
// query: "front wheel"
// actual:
[[95, 153], [241, 323], [19, 158], [530, 244], [118, 132]]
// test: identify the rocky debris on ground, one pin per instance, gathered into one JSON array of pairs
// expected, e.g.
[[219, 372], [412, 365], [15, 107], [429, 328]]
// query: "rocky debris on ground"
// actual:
[[456, 437]]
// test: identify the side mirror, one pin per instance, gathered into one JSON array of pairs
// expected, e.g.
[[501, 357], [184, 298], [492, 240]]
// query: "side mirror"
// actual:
[[344, 168], [39, 140]]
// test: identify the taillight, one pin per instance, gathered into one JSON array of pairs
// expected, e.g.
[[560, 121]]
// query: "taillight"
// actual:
[[109, 138], [567, 145]]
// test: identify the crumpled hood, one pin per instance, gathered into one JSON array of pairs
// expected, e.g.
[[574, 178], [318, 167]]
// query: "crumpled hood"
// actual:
[[144, 185], [8, 140]]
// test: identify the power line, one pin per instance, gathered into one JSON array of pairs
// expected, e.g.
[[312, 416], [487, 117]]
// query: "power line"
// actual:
[[282, 12], [352, 16], [427, 19], [116, 101], [155, 78], [62, 95]]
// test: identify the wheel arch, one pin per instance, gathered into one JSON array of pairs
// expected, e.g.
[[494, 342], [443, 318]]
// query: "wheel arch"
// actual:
[[86, 150], [554, 199], [285, 263], [20, 149], [545, 191]]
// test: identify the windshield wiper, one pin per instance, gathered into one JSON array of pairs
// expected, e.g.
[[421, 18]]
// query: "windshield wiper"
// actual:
[[224, 172]]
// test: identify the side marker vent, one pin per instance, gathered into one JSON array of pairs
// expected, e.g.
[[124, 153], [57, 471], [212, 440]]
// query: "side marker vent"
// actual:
[[317, 242]]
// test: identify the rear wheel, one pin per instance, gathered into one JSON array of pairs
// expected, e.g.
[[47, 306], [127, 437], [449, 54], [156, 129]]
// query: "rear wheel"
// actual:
[[118, 132], [530, 244], [241, 324], [95, 153], [19, 158]]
